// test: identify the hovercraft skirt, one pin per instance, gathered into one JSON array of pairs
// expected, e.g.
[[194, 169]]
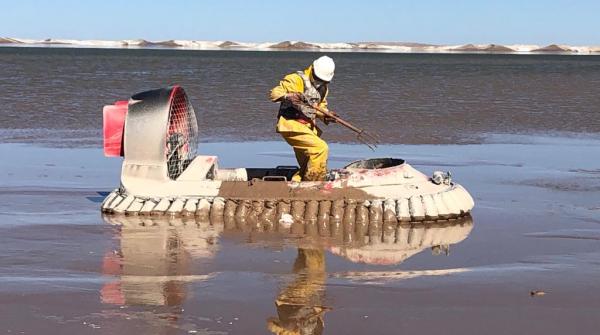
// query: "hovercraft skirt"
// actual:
[[451, 203]]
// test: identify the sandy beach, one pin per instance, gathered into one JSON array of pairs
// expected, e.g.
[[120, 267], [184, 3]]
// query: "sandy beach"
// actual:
[[65, 269]]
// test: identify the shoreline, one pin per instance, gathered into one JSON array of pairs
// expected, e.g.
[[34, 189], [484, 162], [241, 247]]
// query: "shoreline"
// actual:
[[92, 138], [379, 49]]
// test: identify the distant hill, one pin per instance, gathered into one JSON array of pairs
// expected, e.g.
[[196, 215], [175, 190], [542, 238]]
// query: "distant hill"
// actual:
[[294, 45], [497, 48], [552, 48], [466, 47], [145, 43], [230, 44], [373, 46], [399, 44], [6, 40], [51, 41], [484, 48]]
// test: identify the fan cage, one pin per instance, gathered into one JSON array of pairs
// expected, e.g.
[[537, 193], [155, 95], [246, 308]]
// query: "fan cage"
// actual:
[[182, 133]]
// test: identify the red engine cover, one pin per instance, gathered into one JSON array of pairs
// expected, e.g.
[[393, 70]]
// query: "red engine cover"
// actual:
[[113, 126]]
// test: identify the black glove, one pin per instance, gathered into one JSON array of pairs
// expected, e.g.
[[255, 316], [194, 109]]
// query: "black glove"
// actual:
[[327, 120]]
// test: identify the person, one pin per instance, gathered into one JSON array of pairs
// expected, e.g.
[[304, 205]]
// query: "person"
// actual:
[[296, 123]]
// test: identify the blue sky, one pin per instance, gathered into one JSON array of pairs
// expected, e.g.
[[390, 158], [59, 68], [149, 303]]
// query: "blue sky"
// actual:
[[433, 21]]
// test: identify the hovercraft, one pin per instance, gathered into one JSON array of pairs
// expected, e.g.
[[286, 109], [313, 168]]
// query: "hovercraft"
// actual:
[[156, 134]]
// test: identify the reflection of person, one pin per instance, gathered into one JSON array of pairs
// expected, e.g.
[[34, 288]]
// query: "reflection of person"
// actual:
[[296, 119], [299, 305], [442, 249]]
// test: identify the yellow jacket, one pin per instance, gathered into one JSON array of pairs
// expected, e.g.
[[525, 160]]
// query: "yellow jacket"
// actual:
[[293, 83]]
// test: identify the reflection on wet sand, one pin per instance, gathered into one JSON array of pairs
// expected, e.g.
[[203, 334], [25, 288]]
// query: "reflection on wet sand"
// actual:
[[153, 263], [299, 305], [407, 240]]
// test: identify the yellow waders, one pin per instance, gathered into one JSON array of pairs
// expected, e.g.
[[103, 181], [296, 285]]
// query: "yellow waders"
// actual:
[[310, 150]]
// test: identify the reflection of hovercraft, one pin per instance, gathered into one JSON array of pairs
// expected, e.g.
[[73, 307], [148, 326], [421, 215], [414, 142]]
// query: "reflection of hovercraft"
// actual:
[[156, 133], [372, 243], [155, 253], [152, 265], [409, 240]]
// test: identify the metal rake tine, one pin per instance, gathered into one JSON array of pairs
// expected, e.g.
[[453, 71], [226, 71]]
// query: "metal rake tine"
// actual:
[[364, 141], [368, 138], [370, 146], [372, 137]]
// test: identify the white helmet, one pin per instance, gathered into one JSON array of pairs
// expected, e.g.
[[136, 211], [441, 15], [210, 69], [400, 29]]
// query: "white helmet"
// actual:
[[323, 68]]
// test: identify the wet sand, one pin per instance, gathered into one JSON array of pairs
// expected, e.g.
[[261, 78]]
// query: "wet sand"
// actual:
[[63, 269]]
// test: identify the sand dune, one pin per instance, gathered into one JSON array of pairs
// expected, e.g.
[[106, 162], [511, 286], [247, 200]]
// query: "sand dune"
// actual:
[[483, 48], [145, 43], [393, 47], [294, 45], [553, 48], [230, 44], [6, 40]]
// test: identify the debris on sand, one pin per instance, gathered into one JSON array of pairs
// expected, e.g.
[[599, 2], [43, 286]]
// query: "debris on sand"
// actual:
[[537, 293], [286, 220]]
